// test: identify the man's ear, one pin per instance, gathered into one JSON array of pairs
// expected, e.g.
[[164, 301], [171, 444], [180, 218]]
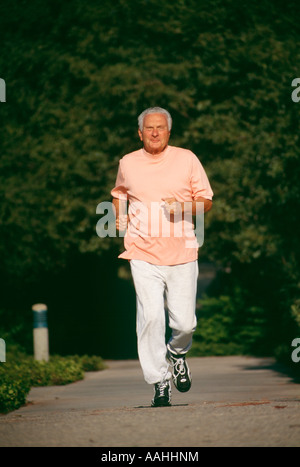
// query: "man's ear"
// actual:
[[140, 134]]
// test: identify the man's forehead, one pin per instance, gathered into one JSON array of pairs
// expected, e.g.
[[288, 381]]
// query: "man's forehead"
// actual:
[[153, 118]]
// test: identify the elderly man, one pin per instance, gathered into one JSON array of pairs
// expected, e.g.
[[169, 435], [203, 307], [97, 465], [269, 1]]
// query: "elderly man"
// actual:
[[164, 185]]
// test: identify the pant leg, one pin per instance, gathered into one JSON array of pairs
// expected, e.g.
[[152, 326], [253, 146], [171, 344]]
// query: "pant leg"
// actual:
[[149, 285], [181, 290]]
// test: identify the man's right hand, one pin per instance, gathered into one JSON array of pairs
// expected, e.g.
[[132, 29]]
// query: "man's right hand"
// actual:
[[120, 207], [122, 222]]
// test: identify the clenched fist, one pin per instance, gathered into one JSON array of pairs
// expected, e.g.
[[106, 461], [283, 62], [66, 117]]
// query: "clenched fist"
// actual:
[[121, 222], [172, 206]]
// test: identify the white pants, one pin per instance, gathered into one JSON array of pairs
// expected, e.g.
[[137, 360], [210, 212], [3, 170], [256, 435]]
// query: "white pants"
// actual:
[[153, 284]]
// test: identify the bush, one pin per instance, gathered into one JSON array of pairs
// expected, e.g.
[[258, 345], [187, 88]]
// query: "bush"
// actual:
[[90, 362], [13, 391], [228, 325], [21, 372], [58, 371]]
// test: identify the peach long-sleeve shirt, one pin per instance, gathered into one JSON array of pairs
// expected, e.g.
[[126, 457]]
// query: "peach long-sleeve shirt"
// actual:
[[145, 180]]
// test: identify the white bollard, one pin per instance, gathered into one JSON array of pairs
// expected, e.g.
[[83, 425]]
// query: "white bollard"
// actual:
[[40, 332]]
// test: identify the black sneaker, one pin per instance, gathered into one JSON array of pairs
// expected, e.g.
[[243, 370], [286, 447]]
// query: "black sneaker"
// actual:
[[162, 394], [181, 374]]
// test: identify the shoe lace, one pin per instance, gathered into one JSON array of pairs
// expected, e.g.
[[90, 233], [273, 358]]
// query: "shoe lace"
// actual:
[[179, 366], [161, 387]]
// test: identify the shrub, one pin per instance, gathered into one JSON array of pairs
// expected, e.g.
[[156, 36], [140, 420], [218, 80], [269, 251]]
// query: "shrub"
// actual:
[[91, 362], [13, 391], [228, 325], [58, 371], [20, 372]]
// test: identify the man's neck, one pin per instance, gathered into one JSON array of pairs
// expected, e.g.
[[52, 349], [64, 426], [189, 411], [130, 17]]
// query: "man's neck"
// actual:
[[155, 153]]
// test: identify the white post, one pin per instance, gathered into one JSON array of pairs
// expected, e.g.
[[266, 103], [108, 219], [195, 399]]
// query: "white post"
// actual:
[[40, 332]]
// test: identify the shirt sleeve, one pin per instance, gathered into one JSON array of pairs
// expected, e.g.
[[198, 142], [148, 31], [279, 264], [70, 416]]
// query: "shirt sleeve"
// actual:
[[199, 181], [120, 191]]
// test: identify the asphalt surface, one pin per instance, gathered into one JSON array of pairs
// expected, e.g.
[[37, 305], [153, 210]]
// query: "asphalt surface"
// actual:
[[233, 402]]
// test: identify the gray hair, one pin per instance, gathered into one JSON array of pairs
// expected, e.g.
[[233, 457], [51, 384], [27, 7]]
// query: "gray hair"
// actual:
[[154, 110]]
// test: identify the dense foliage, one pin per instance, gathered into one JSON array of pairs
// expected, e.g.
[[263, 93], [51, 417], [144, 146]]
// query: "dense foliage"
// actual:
[[78, 74]]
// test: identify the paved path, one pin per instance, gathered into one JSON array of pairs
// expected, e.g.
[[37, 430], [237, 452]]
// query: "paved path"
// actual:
[[234, 401]]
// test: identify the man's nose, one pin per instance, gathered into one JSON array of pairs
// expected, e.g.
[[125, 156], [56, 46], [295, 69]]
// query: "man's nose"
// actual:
[[155, 132]]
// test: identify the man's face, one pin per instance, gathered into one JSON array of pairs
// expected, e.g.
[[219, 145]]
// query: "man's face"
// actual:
[[155, 134]]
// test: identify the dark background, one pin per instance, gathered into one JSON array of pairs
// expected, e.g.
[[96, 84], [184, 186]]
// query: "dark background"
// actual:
[[77, 76]]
